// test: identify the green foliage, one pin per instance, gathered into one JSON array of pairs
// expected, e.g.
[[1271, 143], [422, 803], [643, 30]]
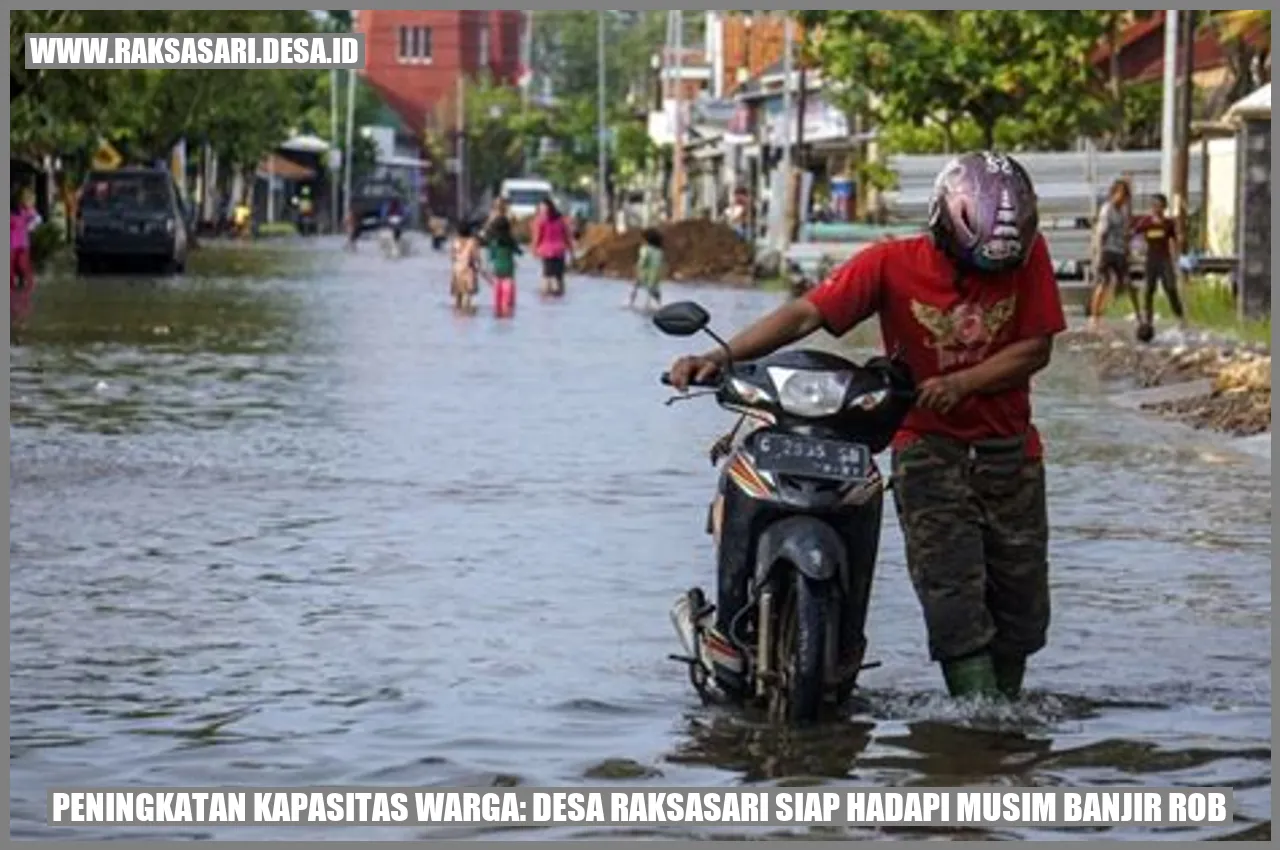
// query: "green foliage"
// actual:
[[1021, 77], [1143, 107], [565, 51], [241, 112], [498, 130], [46, 240]]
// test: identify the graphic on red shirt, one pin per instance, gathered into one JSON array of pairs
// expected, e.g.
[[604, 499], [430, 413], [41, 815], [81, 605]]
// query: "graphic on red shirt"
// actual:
[[938, 324], [963, 336]]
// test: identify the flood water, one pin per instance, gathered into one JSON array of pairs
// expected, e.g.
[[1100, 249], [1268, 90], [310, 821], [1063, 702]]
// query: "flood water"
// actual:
[[288, 520]]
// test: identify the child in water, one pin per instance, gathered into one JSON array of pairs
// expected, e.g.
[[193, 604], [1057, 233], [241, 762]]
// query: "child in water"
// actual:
[[23, 218], [503, 250], [466, 268], [649, 269]]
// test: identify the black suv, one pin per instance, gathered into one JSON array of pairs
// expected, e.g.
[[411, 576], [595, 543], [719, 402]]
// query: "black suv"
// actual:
[[132, 214]]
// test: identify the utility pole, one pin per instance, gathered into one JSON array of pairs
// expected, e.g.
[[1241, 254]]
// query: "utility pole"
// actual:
[[527, 88], [601, 130], [334, 149], [460, 145], [1182, 164], [678, 206], [1168, 124], [348, 156], [797, 194], [779, 239]]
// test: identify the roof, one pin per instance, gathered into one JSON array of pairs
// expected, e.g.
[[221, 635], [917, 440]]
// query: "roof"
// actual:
[[1132, 34], [284, 168], [1255, 105], [306, 144], [754, 88], [1207, 55]]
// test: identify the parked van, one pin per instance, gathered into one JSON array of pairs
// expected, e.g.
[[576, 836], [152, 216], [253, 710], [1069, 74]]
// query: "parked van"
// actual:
[[132, 214], [524, 195]]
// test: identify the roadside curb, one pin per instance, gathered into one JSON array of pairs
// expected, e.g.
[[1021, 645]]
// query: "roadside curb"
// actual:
[[1257, 445]]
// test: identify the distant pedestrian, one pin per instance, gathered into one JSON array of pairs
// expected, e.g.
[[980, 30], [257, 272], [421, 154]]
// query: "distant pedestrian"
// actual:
[[243, 219], [649, 270], [1111, 253], [23, 219], [1160, 233], [552, 242], [499, 238], [465, 282]]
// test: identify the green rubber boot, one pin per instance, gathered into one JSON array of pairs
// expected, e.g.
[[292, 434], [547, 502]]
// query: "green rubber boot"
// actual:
[[971, 676], [1009, 672]]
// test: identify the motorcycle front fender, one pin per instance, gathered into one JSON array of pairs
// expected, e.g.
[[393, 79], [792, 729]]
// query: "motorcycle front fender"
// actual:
[[810, 545]]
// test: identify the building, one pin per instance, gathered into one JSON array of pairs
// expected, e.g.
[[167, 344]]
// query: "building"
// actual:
[[1140, 56], [415, 58]]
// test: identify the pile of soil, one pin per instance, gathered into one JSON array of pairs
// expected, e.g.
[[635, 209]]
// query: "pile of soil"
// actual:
[[594, 234], [1241, 414], [1239, 404], [696, 249]]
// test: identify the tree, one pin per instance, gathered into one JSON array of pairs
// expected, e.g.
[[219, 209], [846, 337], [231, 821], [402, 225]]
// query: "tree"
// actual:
[[1027, 69], [1246, 39], [241, 112], [498, 130], [565, 51]]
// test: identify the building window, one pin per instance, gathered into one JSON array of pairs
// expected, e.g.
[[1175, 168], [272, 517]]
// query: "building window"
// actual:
[[415, 44]]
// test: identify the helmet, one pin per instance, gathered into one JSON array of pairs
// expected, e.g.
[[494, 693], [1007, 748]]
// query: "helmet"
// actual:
[[983, 211]]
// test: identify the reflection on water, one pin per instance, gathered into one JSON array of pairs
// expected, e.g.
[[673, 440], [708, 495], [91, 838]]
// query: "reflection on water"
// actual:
[[288, 520]]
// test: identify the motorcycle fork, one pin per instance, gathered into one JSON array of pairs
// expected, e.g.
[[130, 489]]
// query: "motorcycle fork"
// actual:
[[764, 641]]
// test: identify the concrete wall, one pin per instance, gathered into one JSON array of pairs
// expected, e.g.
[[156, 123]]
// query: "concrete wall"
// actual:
[[1220, 227]]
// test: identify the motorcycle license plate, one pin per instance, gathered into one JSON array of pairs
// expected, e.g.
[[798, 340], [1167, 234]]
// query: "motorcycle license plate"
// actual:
[[809, 457]]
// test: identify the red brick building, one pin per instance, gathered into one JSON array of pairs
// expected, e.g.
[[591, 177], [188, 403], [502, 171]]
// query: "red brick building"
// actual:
[[415, 57]]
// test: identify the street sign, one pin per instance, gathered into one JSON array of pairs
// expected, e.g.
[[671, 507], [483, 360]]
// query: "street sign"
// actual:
[[335, 158], [106, 157]]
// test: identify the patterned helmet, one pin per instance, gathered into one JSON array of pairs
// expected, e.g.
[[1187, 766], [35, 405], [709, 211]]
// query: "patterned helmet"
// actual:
[[983, 211]]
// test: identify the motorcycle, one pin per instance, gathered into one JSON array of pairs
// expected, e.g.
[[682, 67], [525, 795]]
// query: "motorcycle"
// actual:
[[392, 243], [796, 523]]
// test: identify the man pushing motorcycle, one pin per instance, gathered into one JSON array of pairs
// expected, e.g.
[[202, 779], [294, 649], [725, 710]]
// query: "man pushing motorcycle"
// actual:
[[972, 308]]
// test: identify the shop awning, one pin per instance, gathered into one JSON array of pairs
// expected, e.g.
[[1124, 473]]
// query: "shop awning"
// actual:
[[284, 169]]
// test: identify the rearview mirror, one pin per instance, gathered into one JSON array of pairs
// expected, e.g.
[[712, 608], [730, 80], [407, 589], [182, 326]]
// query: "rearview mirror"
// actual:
[[684, 318]]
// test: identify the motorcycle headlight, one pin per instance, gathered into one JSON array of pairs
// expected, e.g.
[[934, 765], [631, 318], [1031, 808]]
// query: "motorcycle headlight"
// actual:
[[810, 394]]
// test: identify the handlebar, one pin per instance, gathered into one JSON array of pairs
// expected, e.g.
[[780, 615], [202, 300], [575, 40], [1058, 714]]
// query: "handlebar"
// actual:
[[665, 380]]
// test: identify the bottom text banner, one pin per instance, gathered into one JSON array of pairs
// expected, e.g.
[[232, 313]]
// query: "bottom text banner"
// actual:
[[612, 807]]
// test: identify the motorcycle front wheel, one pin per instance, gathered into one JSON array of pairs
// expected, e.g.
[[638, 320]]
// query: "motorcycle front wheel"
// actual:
[[798, 652]]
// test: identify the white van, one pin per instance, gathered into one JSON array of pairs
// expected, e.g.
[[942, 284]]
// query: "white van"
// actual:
[[524, 195]]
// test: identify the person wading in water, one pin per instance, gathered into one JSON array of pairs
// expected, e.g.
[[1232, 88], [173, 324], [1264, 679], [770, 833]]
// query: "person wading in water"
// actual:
[[972, 308]]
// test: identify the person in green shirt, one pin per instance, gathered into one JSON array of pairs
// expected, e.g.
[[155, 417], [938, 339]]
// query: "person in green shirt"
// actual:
[[649, 269], [500, 241]]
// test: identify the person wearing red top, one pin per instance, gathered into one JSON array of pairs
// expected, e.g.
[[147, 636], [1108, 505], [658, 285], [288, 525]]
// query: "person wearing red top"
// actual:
[[972, 307], [1160, 233]]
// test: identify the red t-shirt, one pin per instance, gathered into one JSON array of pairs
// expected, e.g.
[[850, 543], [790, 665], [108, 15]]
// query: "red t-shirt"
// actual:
[[911, 284]]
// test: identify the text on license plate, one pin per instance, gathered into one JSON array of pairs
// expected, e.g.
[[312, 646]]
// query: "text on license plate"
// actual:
[[807, 456]]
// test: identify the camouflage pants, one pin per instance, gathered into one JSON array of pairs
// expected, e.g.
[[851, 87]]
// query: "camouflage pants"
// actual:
[[977, 535]]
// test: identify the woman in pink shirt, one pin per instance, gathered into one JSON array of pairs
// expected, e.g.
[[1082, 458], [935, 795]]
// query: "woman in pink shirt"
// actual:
[[22, 220], [552, 241]]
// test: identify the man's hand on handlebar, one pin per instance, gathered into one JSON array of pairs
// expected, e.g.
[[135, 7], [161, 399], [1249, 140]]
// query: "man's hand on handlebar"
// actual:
[[697, 370]]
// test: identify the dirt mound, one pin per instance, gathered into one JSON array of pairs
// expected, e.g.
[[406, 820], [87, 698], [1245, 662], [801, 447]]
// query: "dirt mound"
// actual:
[[1242, 413], [1239, 404], [595, 234], [1244, 376], [695, 250]]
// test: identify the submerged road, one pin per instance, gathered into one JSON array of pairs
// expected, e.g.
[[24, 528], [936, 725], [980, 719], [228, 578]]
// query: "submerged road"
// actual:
[[288, 520]]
